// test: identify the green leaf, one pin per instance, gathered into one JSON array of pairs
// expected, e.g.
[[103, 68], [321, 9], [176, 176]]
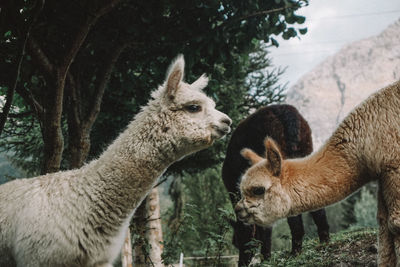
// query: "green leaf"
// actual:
[[303, 31], [35, 80], [286, 35], [274, 42], [300, 19], [7, 34], [289, 33]]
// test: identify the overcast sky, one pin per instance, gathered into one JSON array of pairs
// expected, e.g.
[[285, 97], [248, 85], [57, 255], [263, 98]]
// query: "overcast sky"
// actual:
[[331, 25]]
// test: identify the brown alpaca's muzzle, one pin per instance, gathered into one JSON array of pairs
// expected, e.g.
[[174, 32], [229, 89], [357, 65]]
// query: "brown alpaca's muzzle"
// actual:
[[242, 213]]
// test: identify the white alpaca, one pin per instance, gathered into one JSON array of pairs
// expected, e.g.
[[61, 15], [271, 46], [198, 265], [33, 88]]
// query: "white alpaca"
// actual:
[[79, 217]]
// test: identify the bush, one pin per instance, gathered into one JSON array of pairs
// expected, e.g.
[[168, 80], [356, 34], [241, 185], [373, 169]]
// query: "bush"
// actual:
[[203, 229], [365, 209]]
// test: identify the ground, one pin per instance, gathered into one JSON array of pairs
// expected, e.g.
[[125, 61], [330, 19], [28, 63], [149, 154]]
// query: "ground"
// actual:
[[357, 247]]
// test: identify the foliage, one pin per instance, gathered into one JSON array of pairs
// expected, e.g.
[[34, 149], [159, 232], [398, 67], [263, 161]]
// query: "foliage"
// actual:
[[281, 237], [7, 170], [204, 230], [139, 241], [27, 136], [215, 37], [360, 208], [72, 52], [348, 206], [365, 209]]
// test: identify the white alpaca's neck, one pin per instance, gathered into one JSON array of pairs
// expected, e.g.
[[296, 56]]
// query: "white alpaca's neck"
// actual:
[[319, 180], [129, 168]]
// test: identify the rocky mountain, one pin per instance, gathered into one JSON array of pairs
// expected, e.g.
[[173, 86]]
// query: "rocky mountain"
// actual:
[[331, 90]]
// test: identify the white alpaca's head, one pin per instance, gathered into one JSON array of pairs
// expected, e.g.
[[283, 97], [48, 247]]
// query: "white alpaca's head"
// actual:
[[191, 115], [263, 199]]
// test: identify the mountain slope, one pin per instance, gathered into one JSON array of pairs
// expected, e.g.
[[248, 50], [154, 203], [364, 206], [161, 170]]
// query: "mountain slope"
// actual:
[[332, 89]]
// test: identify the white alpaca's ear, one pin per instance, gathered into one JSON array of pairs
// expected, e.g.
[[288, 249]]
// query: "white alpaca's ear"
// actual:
[[274, 156], [251, 156], [174, 76], [200, 83]]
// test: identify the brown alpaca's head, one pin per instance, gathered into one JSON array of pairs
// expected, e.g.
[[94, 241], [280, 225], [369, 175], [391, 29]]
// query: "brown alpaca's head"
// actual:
[[190, 114], [263, 199]]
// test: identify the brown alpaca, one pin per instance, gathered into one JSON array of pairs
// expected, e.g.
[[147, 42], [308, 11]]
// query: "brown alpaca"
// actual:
[[365, 147]]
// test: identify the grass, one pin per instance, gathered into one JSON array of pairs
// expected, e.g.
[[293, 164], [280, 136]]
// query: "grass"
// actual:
[[355, 247]]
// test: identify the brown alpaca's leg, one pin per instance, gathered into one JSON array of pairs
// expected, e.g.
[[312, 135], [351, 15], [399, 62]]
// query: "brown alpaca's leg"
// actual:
[[386, 254], [297, 230], [320, 220], [264, 235], [391, 194]]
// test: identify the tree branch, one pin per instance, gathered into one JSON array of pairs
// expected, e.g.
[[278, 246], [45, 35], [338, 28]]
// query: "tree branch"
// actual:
[[30, 100], [81, 34], [104, 74], [63, 68], [74, 104], [41, 58], [21, 115], [22, 132], [256, 14], [107, 8]]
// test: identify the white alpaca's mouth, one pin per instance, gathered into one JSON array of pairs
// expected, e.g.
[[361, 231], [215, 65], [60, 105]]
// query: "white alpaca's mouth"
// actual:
[[219, 132]]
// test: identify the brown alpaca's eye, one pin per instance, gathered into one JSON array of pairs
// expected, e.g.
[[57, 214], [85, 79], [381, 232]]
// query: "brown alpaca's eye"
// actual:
[[193, 108], [258, 191]]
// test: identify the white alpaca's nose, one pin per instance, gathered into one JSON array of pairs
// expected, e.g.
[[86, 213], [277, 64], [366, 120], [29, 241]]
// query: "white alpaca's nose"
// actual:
[[224, 124], [226, 120], [221, 125]]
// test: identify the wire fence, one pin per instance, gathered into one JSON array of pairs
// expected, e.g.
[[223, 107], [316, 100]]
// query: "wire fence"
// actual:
[[224, 261]]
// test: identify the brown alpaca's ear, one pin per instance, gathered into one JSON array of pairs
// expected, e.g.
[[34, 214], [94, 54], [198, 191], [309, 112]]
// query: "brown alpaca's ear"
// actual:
[[251, 156], [273, 155], [174, 76]]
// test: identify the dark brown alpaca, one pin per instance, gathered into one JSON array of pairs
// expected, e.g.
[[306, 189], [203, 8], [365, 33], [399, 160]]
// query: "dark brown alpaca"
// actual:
[[291, 131]]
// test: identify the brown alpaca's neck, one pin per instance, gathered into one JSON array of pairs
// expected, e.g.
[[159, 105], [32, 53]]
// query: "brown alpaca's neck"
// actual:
[[319, 180]]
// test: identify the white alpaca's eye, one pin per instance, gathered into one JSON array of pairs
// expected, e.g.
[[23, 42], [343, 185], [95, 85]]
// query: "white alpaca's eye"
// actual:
[[258, 191], [193, 108]]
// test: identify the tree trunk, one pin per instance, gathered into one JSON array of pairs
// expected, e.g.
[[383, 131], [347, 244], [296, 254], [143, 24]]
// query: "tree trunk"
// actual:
[[79, 148], [52, 149], [126, 259], [78, 141], [51, 123], [139, 226], [81, 120], [148, 247], [175, 192], [154, 229]]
